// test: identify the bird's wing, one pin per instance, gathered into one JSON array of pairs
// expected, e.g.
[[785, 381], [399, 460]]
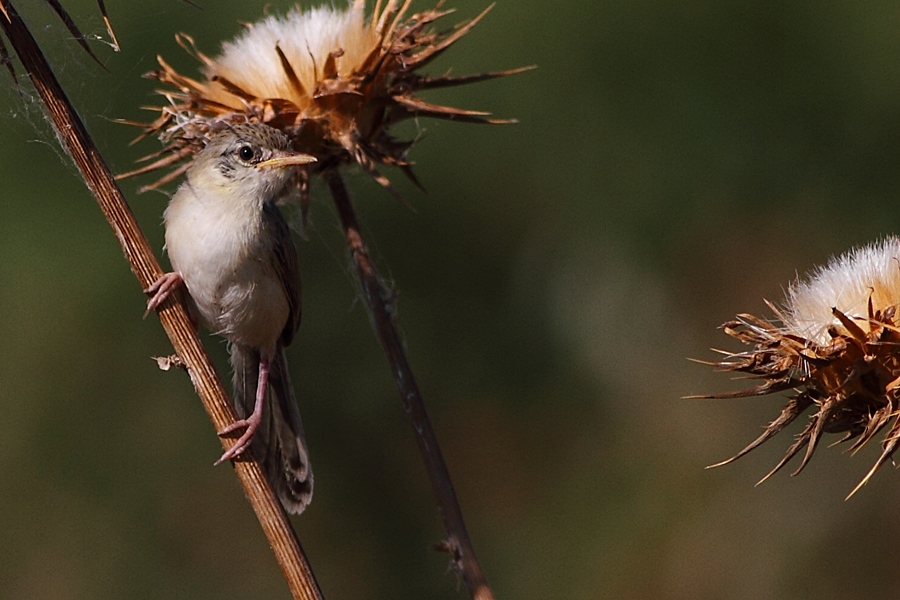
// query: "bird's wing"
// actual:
[[284, 258]]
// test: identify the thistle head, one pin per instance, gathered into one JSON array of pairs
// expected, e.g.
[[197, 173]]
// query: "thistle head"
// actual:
[[333, 81], [836, 344]]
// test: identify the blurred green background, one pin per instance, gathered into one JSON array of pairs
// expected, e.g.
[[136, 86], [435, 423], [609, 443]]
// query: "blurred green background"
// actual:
[[674, 164]]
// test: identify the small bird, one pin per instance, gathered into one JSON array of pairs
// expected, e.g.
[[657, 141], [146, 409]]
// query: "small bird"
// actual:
[[230, 246]]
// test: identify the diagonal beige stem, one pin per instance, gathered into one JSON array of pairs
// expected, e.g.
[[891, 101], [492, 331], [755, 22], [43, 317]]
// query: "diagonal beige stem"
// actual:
[[172, 314]]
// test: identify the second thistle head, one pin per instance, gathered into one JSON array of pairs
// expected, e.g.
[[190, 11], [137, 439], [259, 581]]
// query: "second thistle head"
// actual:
[[835, 344]]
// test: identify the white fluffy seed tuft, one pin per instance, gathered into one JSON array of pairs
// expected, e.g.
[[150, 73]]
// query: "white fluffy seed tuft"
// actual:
[[847, 283], [306, 38]]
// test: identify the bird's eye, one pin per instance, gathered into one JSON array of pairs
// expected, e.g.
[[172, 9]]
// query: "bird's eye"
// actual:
[[246, 153]]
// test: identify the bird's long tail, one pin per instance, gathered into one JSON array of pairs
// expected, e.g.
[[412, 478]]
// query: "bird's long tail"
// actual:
[[279, 443]]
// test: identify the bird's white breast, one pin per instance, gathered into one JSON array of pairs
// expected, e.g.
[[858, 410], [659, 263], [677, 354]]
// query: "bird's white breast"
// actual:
[[216, 242]]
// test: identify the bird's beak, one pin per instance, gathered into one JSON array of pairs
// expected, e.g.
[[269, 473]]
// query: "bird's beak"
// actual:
[[286, 160]]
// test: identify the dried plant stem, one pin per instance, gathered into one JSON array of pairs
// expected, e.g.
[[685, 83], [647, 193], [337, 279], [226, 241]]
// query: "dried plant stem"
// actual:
[[74, 136], [379, 303]]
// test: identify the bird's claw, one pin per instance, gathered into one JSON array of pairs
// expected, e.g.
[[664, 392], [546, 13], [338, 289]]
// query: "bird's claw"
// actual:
[[161, 289], [238, 448]]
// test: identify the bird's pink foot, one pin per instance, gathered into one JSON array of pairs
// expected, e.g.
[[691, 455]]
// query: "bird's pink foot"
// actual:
[[250, 426], [252, 422], [161, 289]]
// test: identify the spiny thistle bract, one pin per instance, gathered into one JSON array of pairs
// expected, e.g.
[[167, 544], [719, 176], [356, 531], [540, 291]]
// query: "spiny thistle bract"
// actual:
[[333, 81], [837, 346]]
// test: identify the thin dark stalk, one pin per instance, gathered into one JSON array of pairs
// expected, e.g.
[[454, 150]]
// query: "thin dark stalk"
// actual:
[[379, 301], [172, 315]]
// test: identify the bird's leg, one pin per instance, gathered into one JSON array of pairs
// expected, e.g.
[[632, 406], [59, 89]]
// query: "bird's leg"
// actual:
[[252, 422], [161, 289]]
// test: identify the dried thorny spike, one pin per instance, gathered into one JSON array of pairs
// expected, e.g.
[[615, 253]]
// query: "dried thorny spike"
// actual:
[[837, 345], [6, 59], [73, 29], [330, 79], [109, 29]]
